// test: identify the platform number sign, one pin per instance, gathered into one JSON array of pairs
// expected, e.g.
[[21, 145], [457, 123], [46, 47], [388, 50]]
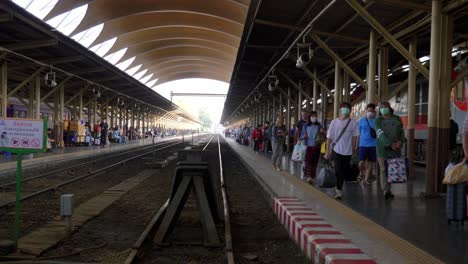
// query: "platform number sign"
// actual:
[[22, 136]]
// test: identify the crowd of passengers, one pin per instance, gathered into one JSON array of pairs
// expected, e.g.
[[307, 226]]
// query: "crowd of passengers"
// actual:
[[376, 137], [116, 134]]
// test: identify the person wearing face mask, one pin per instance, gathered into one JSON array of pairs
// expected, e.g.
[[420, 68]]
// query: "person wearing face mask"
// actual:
[[390, 138], [367, 144], [312, 137], [342, 140]]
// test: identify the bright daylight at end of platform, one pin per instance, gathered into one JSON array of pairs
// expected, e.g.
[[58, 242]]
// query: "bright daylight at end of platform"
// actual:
[[203, 98]]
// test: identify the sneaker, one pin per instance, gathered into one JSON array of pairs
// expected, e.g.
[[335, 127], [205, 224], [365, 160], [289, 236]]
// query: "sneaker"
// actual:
[[338, 194], [310, 181], [278, 169]]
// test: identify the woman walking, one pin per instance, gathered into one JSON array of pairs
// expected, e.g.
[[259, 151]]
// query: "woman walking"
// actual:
[[312, 135]]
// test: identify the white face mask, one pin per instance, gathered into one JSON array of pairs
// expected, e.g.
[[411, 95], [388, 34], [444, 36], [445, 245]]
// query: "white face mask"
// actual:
[[370, 114], [313, 119]]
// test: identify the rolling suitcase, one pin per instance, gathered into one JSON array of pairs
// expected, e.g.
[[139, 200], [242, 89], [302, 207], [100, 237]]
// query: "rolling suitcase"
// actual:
[[456, 203]]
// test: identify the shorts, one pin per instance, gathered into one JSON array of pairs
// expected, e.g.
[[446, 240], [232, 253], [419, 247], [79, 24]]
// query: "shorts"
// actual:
[[368, 153]]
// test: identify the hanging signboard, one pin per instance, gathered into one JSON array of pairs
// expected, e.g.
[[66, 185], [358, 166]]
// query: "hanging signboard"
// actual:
[[25, 135]]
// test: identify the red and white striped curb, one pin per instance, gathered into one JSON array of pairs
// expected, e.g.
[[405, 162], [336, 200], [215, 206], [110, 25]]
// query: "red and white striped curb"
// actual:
[[317, 239]]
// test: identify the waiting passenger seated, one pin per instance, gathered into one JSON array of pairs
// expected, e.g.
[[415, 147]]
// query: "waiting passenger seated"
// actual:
[[116, 135]]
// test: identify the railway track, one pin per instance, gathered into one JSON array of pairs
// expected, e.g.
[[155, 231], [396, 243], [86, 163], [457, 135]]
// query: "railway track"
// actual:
[[144, 239], [50, 181]]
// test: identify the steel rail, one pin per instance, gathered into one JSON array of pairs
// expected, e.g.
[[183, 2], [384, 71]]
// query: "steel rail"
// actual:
[[8, 204], [227, 219], [208, 142], [85, 163], [155, 221]]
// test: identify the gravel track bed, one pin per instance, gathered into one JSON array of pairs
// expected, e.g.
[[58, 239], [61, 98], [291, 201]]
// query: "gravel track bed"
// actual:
[[256, 232], [41, 209]]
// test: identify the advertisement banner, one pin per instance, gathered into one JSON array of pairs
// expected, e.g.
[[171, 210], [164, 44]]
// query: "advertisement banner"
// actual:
[[25, 135]]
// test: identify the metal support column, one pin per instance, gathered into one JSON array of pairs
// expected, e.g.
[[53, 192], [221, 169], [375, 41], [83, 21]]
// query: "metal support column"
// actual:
[[4, 84], [383, 73], [314, 103], [62, 113], [37, 99], [434, 87], [346, 88], [299, 103], [336, 101], [31, 100], [80, 106], [288, 119], [411, 107], [371, 92], [443, 132]]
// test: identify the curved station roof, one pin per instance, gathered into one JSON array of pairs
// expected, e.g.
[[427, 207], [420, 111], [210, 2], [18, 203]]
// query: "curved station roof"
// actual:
[[173, 39]]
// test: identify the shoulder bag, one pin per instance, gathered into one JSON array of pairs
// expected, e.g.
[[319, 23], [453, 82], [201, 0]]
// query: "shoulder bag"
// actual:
[[373, 134], [332, 153]]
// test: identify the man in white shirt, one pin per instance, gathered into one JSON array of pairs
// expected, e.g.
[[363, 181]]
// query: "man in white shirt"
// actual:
[[342, 140]]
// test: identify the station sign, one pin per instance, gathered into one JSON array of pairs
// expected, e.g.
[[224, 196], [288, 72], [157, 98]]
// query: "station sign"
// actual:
[[25, 135]]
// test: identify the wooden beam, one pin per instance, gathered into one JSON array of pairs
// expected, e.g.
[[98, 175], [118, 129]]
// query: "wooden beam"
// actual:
[[389, 37], [345, 66], [22, 84], [296, 28], [459, 78], [55, 88], [406, 4]]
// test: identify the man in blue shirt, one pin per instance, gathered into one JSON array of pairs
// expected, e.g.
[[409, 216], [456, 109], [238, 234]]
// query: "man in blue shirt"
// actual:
[[367, 144]]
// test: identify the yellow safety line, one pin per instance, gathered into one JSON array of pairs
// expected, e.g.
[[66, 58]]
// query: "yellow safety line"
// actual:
[[409, 251]]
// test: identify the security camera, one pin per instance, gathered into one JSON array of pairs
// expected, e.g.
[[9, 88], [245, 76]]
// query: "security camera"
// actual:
[[304, 58], [50, 79]]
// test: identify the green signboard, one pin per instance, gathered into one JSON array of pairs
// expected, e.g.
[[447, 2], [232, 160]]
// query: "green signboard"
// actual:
[[22, 136]]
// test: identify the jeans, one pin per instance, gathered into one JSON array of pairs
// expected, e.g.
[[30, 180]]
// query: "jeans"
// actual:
[[342, 167], [277, 148]]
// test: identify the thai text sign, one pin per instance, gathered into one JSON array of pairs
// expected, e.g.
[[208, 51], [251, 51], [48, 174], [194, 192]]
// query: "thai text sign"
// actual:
[[22, 134]]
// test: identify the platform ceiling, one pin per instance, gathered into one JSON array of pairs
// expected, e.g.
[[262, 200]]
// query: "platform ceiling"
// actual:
[[272, 25]]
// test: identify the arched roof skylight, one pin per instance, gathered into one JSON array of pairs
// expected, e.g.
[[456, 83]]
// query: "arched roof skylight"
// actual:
[[39, 8], [116, 56], [87, 37], [102, 48], [140, 74], [124, 64], [150, 84], [146, 78], [67, 22], [132, 71]]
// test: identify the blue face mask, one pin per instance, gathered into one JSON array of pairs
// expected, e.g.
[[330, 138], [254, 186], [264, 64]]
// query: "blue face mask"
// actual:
[[384, 111], [344, 111]]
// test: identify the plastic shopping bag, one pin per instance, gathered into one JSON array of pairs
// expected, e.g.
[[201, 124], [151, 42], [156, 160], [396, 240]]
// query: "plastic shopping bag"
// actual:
[[455, 174], [299, 151], [397, 170], [326, 177]]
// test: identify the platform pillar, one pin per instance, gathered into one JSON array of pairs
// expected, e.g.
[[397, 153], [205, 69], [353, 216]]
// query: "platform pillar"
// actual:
[[62, 113], [4, 89], [288, 118], [411, 108], [315, 92], [336, 101], [31, 100], [80, 106], [371, 92], [383, 74], [434, 87], [443, 132], [346, 88], [299, 102], [37, 99]]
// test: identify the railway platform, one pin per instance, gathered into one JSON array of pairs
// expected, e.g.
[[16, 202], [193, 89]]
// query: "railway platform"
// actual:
[[8, 163], [408, 229]]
